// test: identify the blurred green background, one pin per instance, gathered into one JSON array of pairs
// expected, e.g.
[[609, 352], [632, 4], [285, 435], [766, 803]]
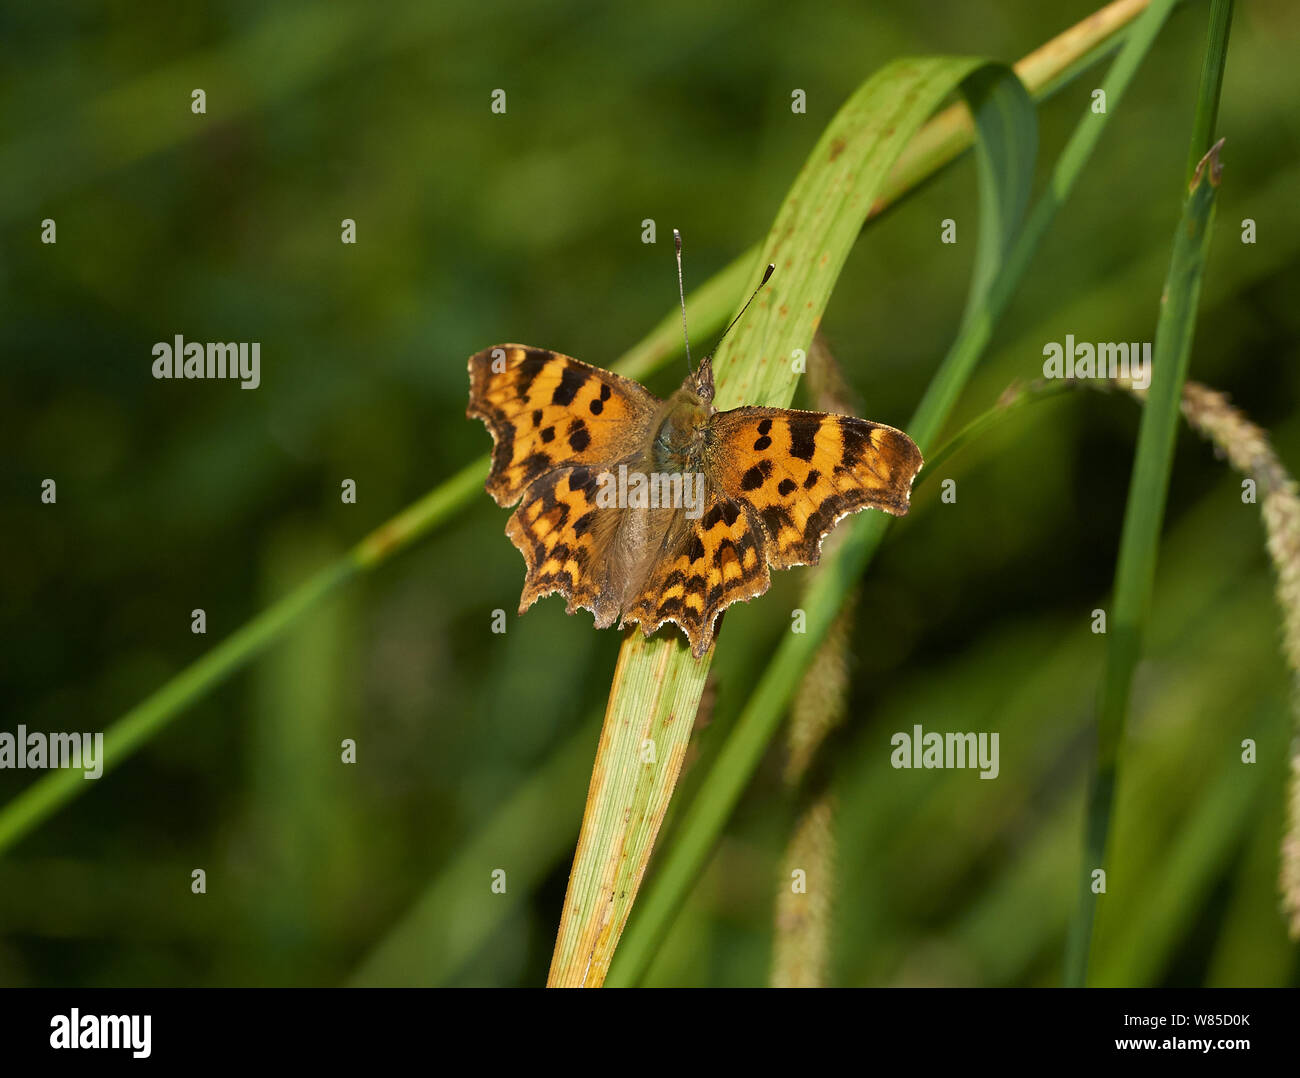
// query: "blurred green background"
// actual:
[[473, 748]]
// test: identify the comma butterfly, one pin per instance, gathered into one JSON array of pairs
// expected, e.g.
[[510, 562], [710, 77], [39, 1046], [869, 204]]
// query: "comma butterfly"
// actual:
[[645, 510]]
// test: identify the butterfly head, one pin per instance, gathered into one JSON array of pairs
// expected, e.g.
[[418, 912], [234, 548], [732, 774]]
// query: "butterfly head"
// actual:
[[699, 383]]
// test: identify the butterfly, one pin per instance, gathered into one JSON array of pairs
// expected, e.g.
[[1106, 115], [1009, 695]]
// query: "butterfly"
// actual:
[[653, 511]]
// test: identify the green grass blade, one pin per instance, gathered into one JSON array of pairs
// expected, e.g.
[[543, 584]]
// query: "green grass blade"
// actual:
[[1012, 400], [1207, 101], [142, 722], [1043, 72], [658, 682], [762, 714], [1208, 839], [456, 915], [1139, 540], [1004, 165]]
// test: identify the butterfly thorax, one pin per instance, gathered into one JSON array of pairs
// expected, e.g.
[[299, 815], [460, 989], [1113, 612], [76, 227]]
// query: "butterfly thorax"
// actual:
[[679, 440]]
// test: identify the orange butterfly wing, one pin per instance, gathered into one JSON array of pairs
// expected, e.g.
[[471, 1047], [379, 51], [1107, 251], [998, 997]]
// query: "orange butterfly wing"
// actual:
[[556, 423], [779, 479], [546, 410], [800, 472], [703, 567]]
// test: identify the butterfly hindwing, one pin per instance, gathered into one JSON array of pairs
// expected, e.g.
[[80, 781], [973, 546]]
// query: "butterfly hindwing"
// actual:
[[546, 410], [703, 567], [564, 539], [800, 472]]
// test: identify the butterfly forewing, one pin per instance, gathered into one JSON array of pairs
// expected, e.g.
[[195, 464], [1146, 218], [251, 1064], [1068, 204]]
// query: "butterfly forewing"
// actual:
[[800, 472], [546, 410]]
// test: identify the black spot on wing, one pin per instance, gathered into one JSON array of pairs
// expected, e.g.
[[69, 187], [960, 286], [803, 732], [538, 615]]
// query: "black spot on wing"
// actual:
[[503, 452], [720, 513], [584, 480], [529, 368], [669, 608], [776, 519], [570, 382], [534, 464], [856, 438], [756, 476], [803, 436], [579, 436], [819, 523]]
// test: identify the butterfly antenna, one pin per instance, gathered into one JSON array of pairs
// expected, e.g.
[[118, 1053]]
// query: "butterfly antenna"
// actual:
[[767, 276], [681, 293]]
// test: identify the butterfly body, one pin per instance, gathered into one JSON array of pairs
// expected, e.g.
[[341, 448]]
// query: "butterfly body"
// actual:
[[681, 426], [654, 511]]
